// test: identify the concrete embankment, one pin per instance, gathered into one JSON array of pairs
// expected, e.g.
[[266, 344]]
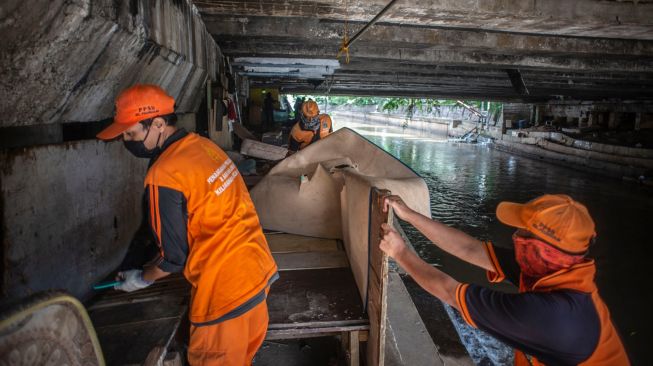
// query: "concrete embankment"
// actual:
[[431, 126], [554, 147], [610, 160]]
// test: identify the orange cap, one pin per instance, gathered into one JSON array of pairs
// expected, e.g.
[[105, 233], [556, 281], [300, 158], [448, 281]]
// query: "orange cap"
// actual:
[[137, 103], [556, 219], [310, 109]]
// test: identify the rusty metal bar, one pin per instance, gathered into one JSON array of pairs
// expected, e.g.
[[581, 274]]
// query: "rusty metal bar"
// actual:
[[371, 23]]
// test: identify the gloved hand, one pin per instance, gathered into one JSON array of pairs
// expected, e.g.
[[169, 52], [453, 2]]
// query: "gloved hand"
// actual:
[[132, 280]]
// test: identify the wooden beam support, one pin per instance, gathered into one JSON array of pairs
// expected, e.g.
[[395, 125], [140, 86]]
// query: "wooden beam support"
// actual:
[[378, 279], [350, 342]]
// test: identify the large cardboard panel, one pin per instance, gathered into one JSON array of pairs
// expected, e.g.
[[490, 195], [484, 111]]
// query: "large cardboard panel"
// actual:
[[339, 197]]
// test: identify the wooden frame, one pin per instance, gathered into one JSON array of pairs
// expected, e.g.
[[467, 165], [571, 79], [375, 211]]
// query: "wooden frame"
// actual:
[[377, 278]]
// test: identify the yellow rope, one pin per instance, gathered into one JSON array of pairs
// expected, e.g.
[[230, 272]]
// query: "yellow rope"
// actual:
[[344, 48]]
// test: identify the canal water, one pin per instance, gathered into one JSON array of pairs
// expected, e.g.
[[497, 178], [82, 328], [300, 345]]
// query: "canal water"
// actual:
[[467, 181]]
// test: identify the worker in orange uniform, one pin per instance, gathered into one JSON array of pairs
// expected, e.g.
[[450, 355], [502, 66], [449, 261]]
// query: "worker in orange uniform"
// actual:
[[312, 126], [205, 225], [558, 317]]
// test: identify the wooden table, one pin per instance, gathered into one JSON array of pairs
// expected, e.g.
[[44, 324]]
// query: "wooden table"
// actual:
[[315, 296]]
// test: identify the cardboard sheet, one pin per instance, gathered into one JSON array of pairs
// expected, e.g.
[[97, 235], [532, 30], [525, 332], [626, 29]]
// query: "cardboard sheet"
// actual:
[[333, 199]]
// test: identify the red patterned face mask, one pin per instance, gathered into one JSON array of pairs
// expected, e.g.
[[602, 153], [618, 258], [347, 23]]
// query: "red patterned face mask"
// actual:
[[538, 259]]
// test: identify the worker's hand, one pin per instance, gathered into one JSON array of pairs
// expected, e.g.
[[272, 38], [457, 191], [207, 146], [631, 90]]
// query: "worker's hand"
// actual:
[[132, 280], [392, 243], [398, 205]]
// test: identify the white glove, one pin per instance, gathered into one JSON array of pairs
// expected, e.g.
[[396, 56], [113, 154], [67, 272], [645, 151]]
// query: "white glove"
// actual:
[[132, 280]]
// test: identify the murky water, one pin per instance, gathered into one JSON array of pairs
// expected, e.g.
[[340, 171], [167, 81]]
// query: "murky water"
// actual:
[[466, 182]]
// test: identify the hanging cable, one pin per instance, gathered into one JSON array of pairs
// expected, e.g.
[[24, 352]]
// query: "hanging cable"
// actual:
[[345, 38], [346, 42]]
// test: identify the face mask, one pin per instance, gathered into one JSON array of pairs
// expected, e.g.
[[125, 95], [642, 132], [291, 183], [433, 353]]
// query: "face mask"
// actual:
[[138, 149], [537, 259], [310, 123]]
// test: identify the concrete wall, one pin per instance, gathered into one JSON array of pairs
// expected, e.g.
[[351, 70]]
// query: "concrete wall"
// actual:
[[69, 213], [70, 209], [68, 62]]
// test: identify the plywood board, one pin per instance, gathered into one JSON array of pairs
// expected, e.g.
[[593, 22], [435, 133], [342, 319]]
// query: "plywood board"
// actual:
[[310, 260], [261, 150], [377, 279], [290, 243]]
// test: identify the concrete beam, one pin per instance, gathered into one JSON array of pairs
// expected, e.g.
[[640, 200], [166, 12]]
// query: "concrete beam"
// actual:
[[450, 87], [236, 47], [390, 53], [584, 18], [533, 75], [302, 30], [543, 84]]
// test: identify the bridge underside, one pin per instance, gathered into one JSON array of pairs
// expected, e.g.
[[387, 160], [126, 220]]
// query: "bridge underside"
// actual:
[[498, 49]]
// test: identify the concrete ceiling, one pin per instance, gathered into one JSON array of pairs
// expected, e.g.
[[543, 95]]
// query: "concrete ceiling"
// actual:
[[485, 49]]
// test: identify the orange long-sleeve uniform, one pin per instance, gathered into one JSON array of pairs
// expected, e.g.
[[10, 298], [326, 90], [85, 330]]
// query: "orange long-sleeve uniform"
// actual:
[[206, 227]]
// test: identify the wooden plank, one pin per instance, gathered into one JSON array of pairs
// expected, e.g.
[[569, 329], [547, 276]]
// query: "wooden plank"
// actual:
[[125, 313], [277, 334], [261, 150], [341, 325], [310, 260], [350, 342], [242, 132], [377, 280], [319, 295], [286, 243], [363, 336], [131, 344], [138, 326]]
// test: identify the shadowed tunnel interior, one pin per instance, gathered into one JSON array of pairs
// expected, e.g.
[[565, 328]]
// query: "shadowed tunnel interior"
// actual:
[[568, 83]]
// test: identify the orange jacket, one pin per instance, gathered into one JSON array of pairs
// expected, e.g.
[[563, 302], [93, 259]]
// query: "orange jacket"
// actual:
[[223, 254], [300, 138], [609, 349]]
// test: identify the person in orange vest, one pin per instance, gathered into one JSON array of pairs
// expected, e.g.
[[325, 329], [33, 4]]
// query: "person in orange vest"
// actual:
[[558, 317], [312, 126], [205, 225]]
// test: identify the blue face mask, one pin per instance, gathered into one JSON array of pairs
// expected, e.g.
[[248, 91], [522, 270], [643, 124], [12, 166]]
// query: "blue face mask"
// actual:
[[310, 123], [138, 149]]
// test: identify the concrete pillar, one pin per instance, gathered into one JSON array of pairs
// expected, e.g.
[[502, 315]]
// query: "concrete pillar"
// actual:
[[638, 120], [537, 111], [590, 119], [533, 116]]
